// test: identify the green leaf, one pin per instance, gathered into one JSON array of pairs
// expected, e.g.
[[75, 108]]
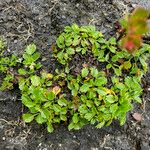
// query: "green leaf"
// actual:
[[74, 92], [117, 71], [83, 109], [47, 104], [115, 80], [127, 65], [60, 55], [22, 84], [85, 72], [48, 83], [56, 108], [60, 41], [27, 59], [112, 41], [78, 49], [113, 108], [122, 119], [109, 66], [37, 108], [75, 118], [101, 92], [97, 102], [110, 99], [144, 64], [100, 81], [77, 126], [38, 65], [70, 51], [56, 119], [94, 72], [30, 49], [63, 117], [33, 110], [45, 113], [71, 126], [68, 29], [28, 117], [62, 102], [76, 40], [64, 110], [112, 49], [27, 101], [50, 128], [128, 81], [68, 41], [84, 88], [39, 119], [51, 96], [22, 71], [107, 57], [6, 85], [84, 50], [84, 43], [91, 94], [35, 80], [76, 85], [88, 116], [102, 40], [36, 56], [67, 69], [100, 125], [138, 99], [89, 103], [115, 58], [120, 86], [75, 28], [70, 86], [38, 93]]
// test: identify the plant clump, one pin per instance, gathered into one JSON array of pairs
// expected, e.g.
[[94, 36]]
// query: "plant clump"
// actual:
[[93, 95]]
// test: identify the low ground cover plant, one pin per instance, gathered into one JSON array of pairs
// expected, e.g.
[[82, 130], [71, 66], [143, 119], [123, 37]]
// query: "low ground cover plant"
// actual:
[[87, 92]]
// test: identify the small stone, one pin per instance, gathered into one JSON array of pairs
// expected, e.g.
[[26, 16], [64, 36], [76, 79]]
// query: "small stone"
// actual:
[[144, 146], [9, 147], [4, 138], [15, 41], [134, 5], [77, 5], [137, 116], [85, 65]]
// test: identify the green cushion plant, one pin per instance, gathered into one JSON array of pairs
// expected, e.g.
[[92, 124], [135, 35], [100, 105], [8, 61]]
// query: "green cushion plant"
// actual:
[[95, 94]]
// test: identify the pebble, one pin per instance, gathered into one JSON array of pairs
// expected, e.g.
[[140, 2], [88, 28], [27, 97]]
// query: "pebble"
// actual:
[[3, 138], [137, 116], [144, 146], [10, 147]]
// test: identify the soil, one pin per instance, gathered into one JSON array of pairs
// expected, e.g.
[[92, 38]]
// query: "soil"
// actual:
[[41, 21]]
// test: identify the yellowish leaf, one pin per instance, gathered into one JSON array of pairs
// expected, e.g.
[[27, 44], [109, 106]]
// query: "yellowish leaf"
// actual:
[[56, 90]]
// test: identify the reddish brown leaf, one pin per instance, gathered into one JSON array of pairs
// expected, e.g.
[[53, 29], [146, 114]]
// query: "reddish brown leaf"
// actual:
[[135, 26]]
